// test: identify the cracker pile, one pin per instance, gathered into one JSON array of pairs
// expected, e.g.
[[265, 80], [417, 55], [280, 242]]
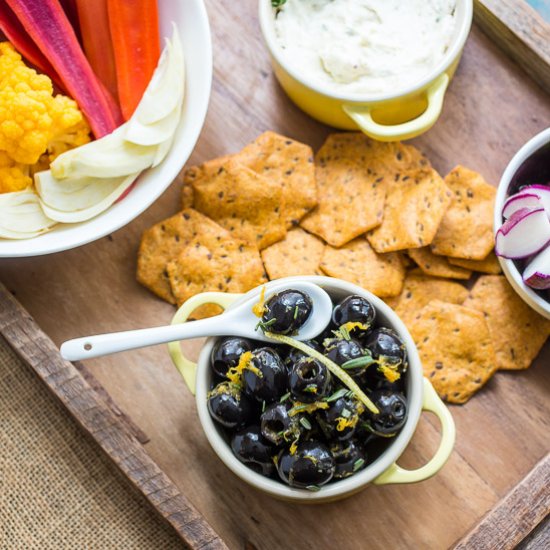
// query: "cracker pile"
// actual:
[[375, 214]]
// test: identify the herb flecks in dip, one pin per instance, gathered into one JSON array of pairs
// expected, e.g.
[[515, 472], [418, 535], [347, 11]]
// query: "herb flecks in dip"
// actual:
[[365, 46]]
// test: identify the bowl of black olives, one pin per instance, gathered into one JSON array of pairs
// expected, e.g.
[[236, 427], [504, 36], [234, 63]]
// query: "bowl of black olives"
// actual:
[[313, 420]]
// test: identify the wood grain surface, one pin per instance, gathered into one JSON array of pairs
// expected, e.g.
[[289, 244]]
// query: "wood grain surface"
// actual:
[[35, 348], [528, 504], [491, 109], [521, 32]]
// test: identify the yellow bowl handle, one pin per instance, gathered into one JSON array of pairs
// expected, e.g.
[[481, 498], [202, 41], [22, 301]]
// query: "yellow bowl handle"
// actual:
[[432, 403], [186, 367], [362, 116]]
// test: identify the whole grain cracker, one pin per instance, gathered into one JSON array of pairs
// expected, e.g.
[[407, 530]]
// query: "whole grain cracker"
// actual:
[[288, 164], [162, 242], [299, 253], [216, 263], [455, 349], [489, 265], [419, 290], [517, 331], [466, 230], [352, 173], [358, 263], [438, 266], [245, 203], [415, 205]]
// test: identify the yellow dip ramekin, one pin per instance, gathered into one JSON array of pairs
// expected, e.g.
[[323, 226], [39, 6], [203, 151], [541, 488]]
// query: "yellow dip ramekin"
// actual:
[[396, 115]]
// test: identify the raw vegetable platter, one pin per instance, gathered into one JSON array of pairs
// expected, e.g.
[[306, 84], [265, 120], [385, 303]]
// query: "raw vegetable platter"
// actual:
[[189, 22], [491, 109]]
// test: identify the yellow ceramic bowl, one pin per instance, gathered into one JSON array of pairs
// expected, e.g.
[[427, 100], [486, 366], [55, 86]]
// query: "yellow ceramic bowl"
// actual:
[[401, 114], [383, 470]]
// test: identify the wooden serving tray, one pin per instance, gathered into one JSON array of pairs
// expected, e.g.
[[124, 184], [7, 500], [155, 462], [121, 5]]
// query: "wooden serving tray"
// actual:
[[491, 109]]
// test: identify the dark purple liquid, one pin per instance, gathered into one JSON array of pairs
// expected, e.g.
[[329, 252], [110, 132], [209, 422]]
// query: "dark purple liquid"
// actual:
[[534, 170]]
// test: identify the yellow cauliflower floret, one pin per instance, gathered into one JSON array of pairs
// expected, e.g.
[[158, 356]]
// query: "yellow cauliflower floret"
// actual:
[[32, 121], [13, 176]]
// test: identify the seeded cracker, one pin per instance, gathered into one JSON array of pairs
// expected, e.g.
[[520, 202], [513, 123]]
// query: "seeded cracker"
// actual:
[[357, 262], [415, 205], [489, 265], [162, 243], [288, 164], [455, 349], [298, 254], [243, 202], [217, 263], [438, 266], [466, 231], [419, 290], [517, 331], [352, 172]]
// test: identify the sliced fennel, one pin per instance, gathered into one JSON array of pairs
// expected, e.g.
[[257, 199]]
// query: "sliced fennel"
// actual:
[[145, 138], [75, 216], [74, 195], [21, 216], [85, 181]]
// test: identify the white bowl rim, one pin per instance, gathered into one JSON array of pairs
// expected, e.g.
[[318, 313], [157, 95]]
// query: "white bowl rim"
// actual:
[[537, 302], [265, 15], [338, 488], [79, 234]]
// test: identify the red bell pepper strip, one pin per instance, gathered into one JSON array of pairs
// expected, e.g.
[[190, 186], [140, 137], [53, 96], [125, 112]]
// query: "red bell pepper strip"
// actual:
[[136, 43], [96, 40], [23, 43], [48, 26]]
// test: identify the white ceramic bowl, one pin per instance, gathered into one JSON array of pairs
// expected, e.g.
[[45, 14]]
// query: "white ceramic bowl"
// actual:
[[191, 20], [519, 168], [420, 395]]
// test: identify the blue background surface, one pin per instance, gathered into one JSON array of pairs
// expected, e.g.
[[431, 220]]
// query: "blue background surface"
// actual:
[[542, 6]]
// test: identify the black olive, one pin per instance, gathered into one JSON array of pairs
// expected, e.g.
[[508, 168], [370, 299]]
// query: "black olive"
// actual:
[[349, 458], [253, 450], [226, 354], [339, 421], [386, 347], [355, 309], [269, 382], [311, 466], [309, 380], [393, 412], [374, 381], [229, 406], [278, 426], [295, 354], [341, 351], [286, 312]]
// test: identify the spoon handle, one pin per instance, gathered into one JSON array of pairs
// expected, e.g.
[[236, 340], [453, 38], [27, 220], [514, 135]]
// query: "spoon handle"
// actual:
[[88, 347]]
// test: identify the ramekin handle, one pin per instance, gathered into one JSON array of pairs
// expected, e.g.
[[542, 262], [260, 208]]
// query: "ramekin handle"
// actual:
[[432, 403], [186, 367], [362, 116]]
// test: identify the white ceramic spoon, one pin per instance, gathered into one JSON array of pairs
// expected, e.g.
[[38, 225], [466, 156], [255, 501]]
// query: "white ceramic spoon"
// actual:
[[240, 321]]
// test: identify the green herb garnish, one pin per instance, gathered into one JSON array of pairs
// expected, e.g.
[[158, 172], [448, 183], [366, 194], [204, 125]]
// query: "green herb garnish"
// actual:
[[296, 310], [364, 361], [314, 488], [358, 464], [346, 413], [285, 397], [305, 423], [264, 325], [337, 394], [277, 3]]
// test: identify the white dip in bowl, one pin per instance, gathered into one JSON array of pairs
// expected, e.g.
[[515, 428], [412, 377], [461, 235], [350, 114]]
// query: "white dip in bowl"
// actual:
[[365, 46]]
